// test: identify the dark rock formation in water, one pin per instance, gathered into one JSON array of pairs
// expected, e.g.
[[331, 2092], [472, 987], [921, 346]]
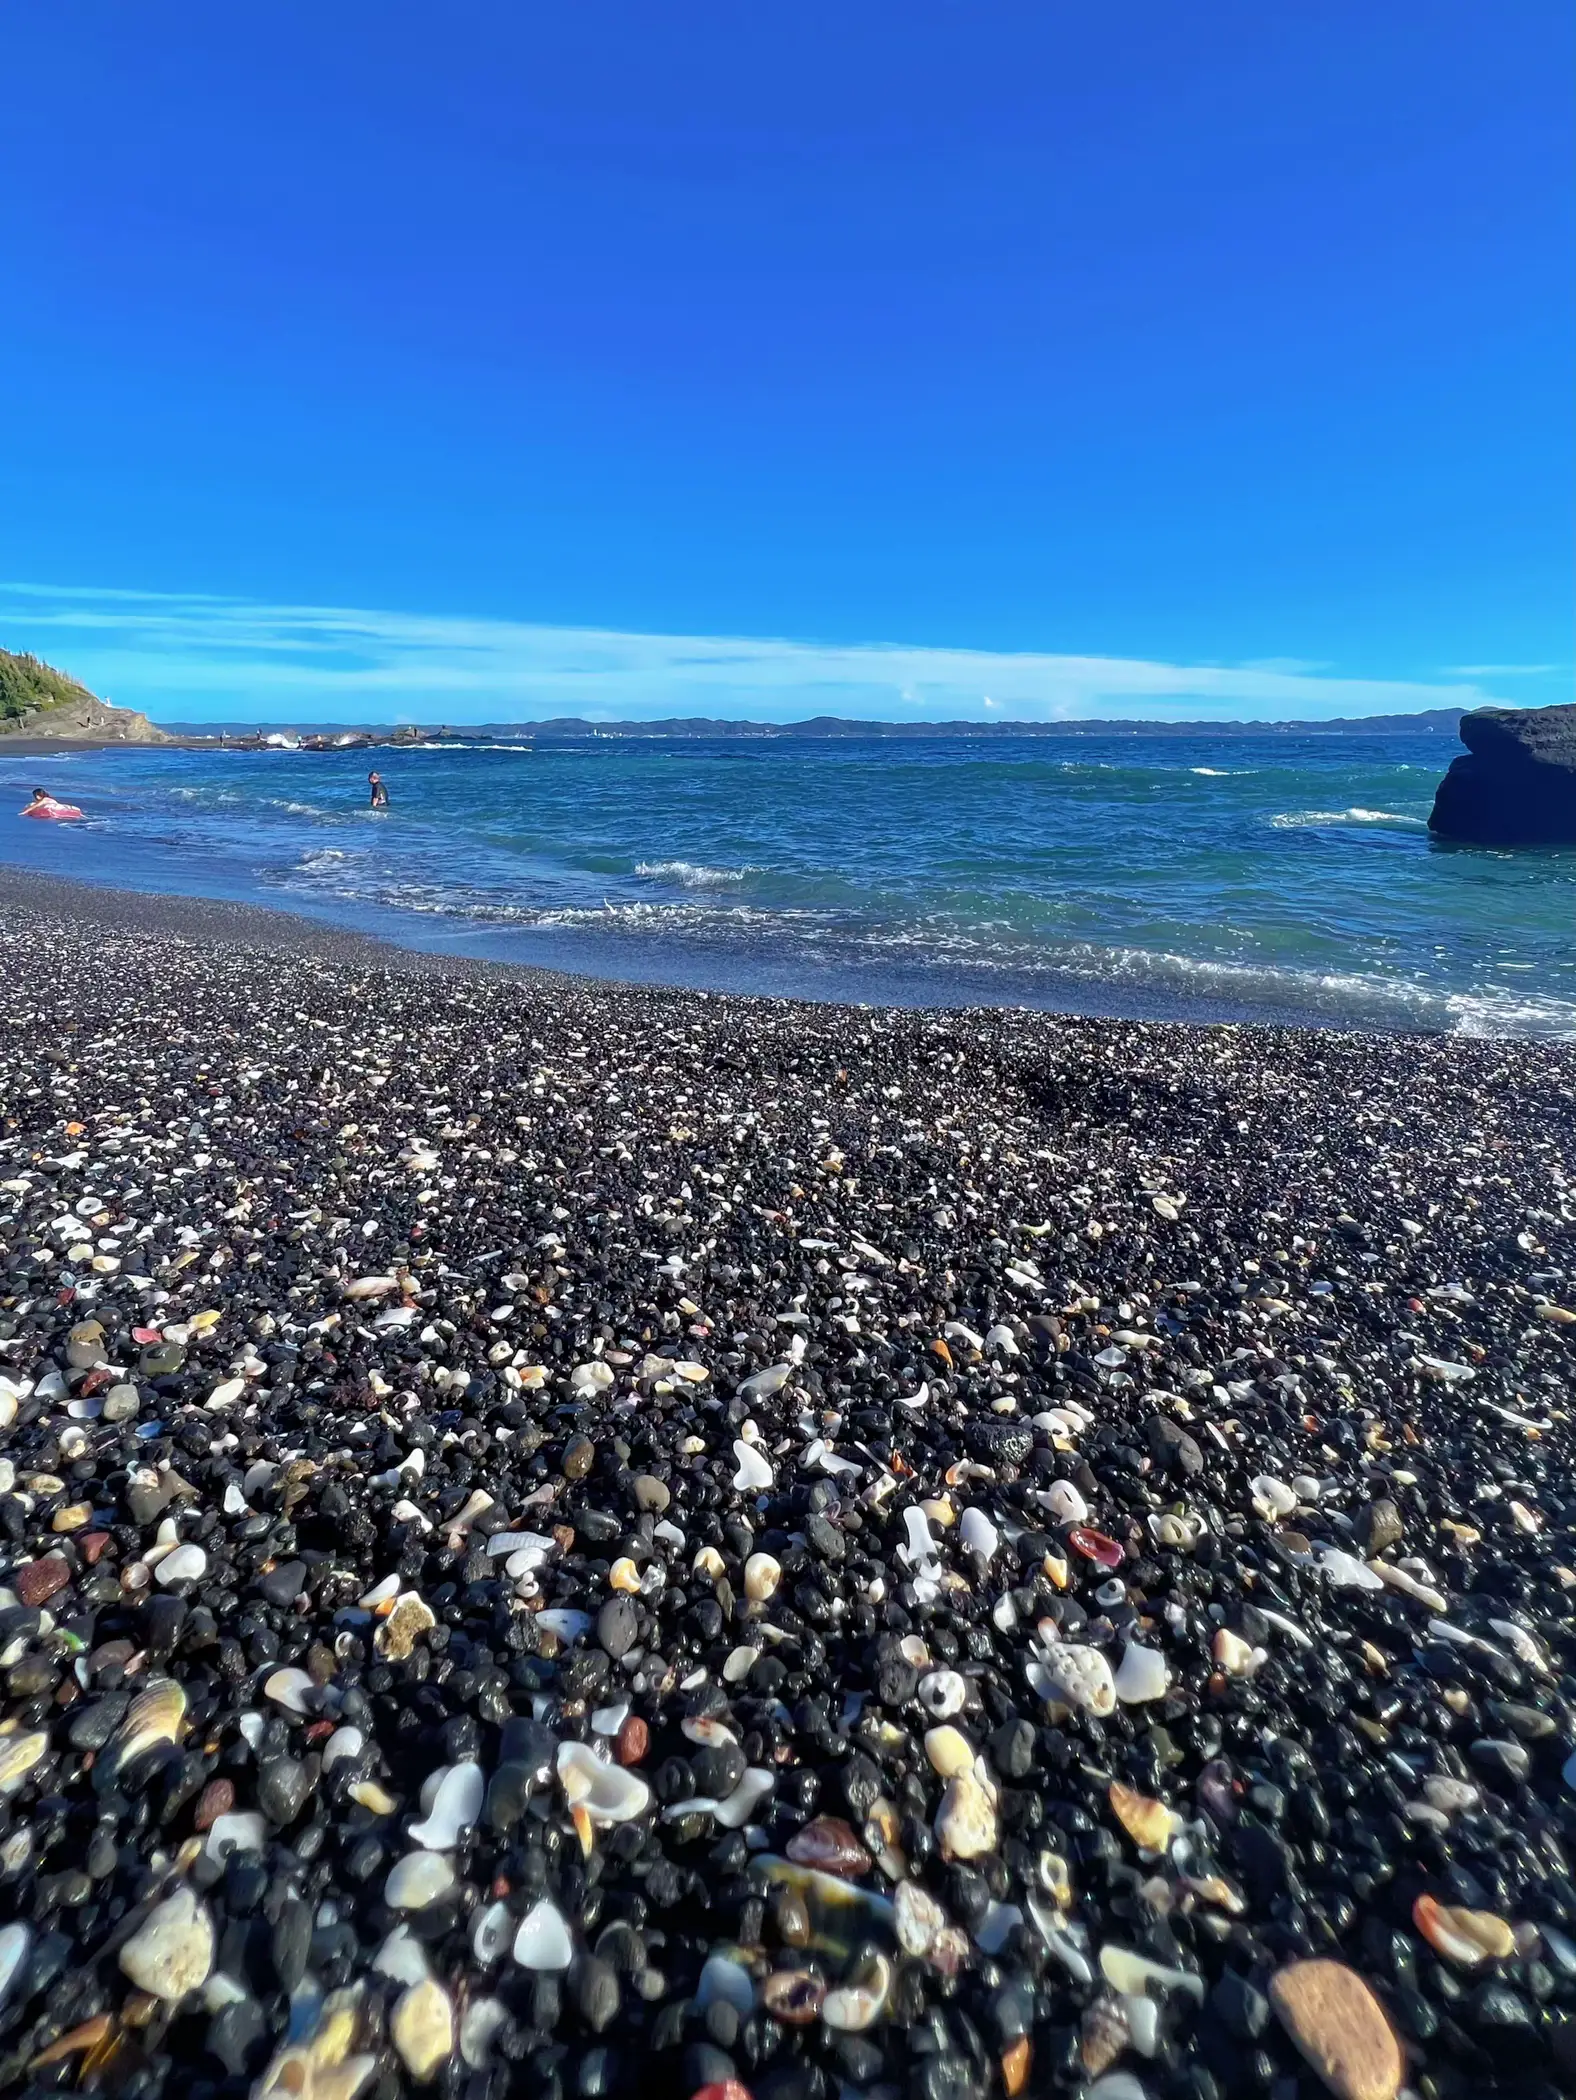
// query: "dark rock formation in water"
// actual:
[[1516, 783]]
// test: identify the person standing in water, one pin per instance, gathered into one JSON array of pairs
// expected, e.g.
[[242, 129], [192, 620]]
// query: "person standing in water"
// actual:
[[379, 798]]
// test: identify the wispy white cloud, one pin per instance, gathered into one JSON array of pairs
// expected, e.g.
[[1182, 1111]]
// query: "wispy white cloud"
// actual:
[[1502, 670], [192, 658]]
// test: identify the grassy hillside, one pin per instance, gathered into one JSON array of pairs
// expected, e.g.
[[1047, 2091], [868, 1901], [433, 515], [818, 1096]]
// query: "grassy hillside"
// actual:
[[28, 682]]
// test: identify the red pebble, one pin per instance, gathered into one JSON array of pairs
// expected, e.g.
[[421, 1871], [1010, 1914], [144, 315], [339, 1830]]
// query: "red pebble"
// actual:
[[96, 1381], [1095, 1546], [145, 1335], [216, 1799], [724, 2089], [633, 1740], [36, 1581], [91, 1544]]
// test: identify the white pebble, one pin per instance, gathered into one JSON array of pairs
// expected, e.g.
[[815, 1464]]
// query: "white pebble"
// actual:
[[456, 1804], [417, 1881], [543, 1942], [185, 1564], [171, 1952], [755, 1473]]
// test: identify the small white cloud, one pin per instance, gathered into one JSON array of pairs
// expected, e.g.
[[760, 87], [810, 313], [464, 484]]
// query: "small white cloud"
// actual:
[[189, 657], [1503, 670]]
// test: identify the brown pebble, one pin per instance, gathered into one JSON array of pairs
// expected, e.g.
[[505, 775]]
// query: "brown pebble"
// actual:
[[578, 1455], [91, 1546], [791, 1916], [111, 1655], [633, 1740], [36, 1581], [216, 1799], [1340, 2027], [831, 1845]]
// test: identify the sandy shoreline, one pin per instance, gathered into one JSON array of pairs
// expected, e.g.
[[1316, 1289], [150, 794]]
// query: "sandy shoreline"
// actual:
[[669, 1538]]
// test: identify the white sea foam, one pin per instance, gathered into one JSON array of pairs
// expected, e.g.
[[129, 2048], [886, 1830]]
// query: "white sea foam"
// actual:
[[690, 875], [1297, 819]]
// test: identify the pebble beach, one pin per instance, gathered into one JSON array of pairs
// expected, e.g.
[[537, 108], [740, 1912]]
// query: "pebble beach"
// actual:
[[578, 1540]]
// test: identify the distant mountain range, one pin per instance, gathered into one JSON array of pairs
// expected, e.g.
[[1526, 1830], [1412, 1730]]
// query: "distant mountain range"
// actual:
[[568, 728]]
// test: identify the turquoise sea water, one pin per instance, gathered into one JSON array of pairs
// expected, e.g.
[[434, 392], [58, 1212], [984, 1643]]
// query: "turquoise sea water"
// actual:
[[1269, 877]]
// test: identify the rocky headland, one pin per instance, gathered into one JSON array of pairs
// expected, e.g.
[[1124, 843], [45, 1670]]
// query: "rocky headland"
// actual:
[[39, 704], [1515, 785]]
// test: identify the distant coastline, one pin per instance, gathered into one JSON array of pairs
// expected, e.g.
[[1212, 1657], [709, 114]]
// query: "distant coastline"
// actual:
[[1442, 721]]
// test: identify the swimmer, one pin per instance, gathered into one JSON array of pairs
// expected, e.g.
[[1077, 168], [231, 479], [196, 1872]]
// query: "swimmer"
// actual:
[[379, 798]]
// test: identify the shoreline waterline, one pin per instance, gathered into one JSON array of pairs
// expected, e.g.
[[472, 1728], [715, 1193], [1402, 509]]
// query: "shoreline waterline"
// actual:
[[1291, 882], [333, 936]]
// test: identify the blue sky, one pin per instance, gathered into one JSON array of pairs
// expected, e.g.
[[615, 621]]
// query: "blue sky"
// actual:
[[504, 360]]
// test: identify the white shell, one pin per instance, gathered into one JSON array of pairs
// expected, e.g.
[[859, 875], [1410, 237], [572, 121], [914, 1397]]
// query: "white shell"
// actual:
[[979, 1535], [859, 2003], [920, 1547], [490, 1933], [755, 1473], [737, 1809], [1129, 1973], [966, 1820], [1076, 1676], [543, 1941], [343, 1745], [609, 1793], [942, 1693], [1272, 1498], [1142, 1675], [455, 1806], [1064, 1502], [289, 1688], [764, 1383]]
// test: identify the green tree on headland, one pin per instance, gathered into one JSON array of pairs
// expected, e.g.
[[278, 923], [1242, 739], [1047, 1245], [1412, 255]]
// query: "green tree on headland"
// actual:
[[27, 683]]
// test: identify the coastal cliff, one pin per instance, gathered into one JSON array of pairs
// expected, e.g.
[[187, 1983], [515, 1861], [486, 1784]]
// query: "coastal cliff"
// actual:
[[36, 700]]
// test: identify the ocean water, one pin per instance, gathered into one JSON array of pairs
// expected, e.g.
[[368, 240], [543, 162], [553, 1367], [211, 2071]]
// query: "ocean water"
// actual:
[[1273, 877]]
